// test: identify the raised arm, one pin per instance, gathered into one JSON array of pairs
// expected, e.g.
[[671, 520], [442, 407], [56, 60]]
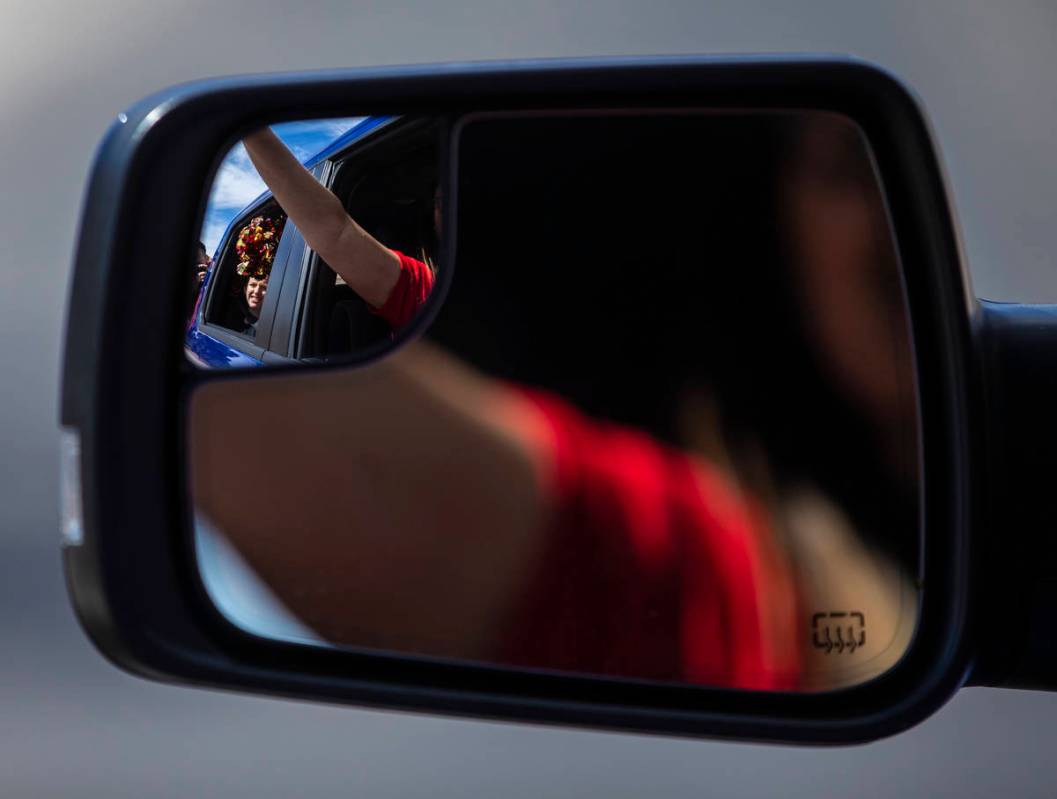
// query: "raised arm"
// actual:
[[367, 266]]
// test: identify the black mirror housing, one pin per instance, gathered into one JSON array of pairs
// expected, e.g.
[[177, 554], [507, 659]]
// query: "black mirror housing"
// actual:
[[129, 561]]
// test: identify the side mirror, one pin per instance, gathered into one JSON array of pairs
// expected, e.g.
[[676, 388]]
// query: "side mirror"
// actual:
[[625, 394]]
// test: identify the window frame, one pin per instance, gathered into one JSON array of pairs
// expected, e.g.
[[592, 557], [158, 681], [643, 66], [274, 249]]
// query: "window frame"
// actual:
[[257, 346]]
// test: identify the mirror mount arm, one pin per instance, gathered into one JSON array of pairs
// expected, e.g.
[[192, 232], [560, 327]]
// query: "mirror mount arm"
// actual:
[[1015, 588]]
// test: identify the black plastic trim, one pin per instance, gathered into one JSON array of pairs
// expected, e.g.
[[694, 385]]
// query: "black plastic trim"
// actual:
[[1017, 592]]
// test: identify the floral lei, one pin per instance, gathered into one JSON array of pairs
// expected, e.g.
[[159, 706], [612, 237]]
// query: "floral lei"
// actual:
[[256, 247]]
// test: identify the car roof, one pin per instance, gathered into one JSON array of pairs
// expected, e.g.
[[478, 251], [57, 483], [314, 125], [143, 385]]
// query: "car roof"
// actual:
[[355, 133]]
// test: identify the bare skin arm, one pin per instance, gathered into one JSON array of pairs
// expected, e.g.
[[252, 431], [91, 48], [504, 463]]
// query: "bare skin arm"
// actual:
[[366, 265], [399, 506]]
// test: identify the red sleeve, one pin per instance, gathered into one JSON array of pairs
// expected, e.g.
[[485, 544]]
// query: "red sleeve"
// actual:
[[652, 568], [409, 294]]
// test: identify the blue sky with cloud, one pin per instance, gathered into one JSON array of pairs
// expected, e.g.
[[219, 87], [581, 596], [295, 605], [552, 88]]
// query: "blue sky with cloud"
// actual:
[[237, 182]]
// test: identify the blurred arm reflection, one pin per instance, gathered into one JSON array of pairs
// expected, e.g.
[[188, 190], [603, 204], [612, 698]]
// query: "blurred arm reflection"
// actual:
[[462, 517], [771, 543]]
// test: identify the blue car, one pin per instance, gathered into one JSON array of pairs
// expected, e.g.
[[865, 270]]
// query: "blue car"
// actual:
[[384, 170]]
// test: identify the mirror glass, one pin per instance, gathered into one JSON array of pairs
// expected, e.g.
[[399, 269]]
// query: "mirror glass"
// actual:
[[662, 424], [265, 291]]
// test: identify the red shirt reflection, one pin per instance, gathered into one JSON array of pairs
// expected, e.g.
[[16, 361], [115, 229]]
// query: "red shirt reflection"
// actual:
[[656, 568]]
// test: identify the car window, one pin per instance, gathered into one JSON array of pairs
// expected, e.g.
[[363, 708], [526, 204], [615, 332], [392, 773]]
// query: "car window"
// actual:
[[239, 296]]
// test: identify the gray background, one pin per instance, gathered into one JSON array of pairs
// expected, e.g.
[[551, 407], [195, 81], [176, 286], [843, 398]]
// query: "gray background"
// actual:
[[72, 725]]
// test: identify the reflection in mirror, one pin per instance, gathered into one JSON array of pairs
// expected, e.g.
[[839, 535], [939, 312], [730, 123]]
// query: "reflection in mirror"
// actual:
[[324, 234], [663, 427]]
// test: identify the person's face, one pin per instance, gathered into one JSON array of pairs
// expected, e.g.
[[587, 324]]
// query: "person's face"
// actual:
[[847, 269], [255, 291], [201, 266]]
